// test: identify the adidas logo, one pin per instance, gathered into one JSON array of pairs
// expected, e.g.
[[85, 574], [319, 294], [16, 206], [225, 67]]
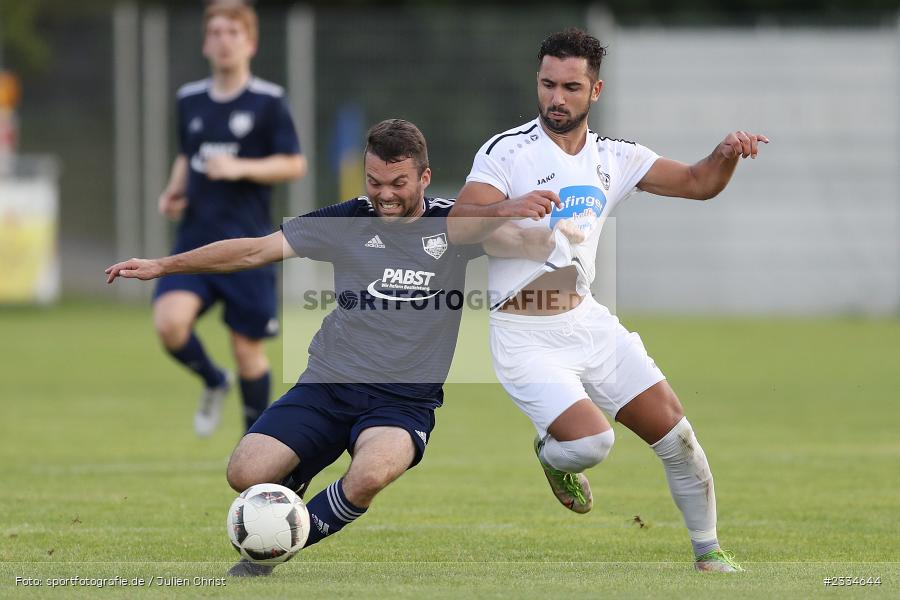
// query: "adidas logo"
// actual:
[[321, 525], [375, 242], [422, 435]]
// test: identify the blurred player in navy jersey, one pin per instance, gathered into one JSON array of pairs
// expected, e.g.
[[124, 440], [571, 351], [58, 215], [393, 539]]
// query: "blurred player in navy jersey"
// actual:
[[236, 139], [378, 363]]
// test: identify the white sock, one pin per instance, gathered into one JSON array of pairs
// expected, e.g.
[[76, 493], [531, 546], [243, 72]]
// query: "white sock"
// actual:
[[690, 482], [575, 456]]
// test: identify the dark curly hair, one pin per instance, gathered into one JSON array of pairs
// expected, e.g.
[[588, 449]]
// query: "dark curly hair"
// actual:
[[574, 43]]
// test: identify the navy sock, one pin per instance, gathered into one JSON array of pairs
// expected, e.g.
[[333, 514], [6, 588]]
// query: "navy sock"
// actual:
[[329, 512], [193, 356], [255, 393]]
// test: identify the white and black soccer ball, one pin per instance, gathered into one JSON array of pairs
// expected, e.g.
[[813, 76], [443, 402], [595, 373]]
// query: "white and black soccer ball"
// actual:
[[268, 523]]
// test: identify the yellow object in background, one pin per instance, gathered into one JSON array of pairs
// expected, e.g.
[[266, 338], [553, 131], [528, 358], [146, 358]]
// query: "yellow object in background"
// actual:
[[10, 91], [29, 266]]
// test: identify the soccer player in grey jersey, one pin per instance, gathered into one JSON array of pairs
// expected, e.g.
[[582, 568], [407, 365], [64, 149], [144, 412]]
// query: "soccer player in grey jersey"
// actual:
[[378, 362]]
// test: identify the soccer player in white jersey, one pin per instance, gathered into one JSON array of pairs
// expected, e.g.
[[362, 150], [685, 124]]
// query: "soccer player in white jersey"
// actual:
[[562, 357]]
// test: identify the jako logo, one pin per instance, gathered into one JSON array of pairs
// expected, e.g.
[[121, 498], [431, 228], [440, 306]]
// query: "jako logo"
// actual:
[[576, 200]]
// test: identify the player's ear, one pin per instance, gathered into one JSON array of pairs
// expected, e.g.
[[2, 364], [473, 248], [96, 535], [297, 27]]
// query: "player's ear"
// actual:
[[596, 89], [426, 177]]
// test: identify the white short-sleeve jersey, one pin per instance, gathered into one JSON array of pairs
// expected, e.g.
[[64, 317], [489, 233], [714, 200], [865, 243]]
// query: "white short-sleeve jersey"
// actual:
[[590, 185]]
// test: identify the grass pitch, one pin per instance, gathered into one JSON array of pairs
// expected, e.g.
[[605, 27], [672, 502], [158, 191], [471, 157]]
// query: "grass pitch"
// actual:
[[102, 475]]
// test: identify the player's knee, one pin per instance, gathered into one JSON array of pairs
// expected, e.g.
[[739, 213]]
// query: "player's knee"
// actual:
[[362, 485], [173, 331], [575, 456], [251, 364], [239, 477], [371, 482]]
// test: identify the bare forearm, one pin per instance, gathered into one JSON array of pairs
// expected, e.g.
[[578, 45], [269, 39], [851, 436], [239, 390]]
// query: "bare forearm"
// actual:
[[711, 175], [178, 176], [273, 169], [472, 223], [219, 257], [513, 241], [705, 178]]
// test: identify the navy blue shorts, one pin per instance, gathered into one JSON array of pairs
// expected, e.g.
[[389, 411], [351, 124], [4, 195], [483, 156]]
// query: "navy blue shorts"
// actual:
[[320, 421], [250, 297]]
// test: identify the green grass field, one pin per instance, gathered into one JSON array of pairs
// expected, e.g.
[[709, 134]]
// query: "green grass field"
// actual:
[[102, 475]]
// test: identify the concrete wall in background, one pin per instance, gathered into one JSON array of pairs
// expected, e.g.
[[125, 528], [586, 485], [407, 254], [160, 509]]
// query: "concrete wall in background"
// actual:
[[812, 225]]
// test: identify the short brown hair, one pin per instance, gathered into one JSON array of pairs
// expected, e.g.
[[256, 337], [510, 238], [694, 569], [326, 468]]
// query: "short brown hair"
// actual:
[[395, 140], [236, 11]]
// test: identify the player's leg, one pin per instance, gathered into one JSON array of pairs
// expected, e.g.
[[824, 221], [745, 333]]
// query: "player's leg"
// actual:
[[386, 441], [642, 400], [579, 438], [251, 313], [539, 361], [260, 458], [656, 416], [178, 302], [380, 456], [253, 373], [294, 439]]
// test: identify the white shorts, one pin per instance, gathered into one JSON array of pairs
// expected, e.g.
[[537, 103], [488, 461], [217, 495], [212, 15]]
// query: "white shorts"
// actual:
[[546, 364]]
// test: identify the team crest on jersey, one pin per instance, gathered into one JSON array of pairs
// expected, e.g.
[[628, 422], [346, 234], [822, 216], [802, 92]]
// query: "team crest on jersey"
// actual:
[[604, 177], [435, 245], [240, 123], [196, 125]]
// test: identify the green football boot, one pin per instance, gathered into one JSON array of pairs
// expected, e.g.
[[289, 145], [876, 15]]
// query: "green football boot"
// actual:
[[573, 490], [717, 561]]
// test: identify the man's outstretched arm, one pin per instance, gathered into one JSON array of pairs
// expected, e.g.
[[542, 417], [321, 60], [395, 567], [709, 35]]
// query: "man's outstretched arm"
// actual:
[[706, 178], [219, 257]]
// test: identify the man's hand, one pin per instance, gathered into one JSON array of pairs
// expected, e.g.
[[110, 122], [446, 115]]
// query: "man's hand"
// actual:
[[224, 167], [136, 268], [172, 204], [570, 229], [741, 143], [533, 205]]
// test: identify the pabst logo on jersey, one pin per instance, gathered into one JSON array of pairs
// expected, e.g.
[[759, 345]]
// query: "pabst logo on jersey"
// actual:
[[405, 285], [208, 149], [404, 278]]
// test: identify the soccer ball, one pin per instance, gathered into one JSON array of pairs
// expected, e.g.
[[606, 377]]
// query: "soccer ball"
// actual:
[[268, 523]]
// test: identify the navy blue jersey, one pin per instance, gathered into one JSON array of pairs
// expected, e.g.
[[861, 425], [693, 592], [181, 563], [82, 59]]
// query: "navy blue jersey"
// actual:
[[400, 290], [254, 124]]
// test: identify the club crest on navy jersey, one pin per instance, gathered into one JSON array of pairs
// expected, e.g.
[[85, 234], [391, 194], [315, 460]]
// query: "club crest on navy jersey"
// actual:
[[240, 123], [196, 125], [435, 245]]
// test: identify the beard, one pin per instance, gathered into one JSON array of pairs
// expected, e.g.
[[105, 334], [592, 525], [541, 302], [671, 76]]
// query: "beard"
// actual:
[[564, 126]]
